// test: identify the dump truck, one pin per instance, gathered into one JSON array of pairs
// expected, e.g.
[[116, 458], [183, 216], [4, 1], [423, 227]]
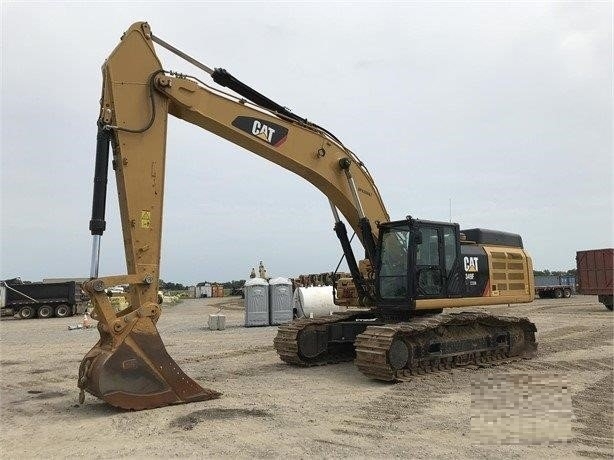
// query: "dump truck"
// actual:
[[40, 300], [555, 286], [595, 273]]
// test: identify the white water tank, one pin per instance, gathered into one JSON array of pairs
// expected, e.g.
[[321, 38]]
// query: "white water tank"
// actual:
[[280, 301], [2, 296], [314, 301], [256, 302]]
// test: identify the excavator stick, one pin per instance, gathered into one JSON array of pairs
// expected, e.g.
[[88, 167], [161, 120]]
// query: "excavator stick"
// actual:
[[130, 368]]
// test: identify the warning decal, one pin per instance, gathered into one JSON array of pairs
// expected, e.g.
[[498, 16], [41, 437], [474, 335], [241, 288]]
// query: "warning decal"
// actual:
[[145, 219]]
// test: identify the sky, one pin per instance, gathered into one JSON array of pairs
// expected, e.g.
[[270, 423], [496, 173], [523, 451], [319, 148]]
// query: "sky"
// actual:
[[502, 110]]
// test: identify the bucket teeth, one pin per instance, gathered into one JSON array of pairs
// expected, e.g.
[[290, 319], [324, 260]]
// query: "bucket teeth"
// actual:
[[138, 373]]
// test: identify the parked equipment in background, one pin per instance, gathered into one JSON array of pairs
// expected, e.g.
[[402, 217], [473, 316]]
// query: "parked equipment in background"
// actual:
[[595, 273], [555, 286], [42, 300]]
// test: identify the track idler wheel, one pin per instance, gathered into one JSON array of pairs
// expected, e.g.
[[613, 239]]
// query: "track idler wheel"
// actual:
[[133, 370]]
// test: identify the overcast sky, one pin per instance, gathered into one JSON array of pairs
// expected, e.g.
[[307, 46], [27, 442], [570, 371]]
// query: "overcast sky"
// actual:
[[505, 109]]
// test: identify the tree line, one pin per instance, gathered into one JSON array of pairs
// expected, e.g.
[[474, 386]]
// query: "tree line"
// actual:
[[234, 284], [572, 272]]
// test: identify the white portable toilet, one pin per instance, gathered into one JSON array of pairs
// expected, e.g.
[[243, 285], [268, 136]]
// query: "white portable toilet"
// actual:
[[280, 301], [256, 302]]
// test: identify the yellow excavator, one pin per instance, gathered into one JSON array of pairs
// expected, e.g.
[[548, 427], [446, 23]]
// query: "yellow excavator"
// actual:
[[411, 271]]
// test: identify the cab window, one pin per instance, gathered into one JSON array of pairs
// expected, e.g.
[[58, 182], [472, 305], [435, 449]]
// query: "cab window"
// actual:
[[393, 263], [449, 248]]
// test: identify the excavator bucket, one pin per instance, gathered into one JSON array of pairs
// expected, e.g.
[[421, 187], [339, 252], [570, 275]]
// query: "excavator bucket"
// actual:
[[133, 370]]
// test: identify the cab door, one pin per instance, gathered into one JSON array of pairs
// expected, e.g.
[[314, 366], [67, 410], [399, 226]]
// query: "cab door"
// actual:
[[437, 261], [429, 276]]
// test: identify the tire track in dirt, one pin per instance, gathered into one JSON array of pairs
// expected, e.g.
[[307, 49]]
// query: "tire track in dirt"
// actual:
[[583, 365], [572, 338], [594, 410], [415, 398], [228, 354], [403, 401], [562, 331]]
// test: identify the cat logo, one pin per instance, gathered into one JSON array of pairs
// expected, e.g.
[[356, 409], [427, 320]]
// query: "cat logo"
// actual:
[[266, 131], [262, 131], [471, 264]]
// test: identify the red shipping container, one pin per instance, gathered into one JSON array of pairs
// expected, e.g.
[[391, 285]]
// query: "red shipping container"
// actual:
[[595, 270]]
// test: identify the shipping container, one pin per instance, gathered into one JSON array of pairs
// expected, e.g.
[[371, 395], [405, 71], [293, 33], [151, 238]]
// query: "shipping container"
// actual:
[[217, 290], [595, 273], [203, 291]]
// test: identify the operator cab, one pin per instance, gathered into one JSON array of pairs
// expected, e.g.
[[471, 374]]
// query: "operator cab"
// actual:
[[418, 260]]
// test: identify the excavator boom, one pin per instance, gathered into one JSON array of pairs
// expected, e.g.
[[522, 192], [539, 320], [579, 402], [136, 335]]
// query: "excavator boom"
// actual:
[[129, 367]]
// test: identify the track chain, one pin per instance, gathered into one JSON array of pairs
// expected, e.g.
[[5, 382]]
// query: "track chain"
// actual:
[[286, 342], [374, 344]]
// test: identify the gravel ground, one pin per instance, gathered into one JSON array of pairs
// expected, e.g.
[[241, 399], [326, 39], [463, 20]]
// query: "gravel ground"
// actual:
[[269, 409]]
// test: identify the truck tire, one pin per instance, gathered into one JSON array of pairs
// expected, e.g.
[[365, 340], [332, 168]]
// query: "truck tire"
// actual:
[[45, 311], [567, 293], [558, 293], [607, 301], [27, 312], [62, 311]]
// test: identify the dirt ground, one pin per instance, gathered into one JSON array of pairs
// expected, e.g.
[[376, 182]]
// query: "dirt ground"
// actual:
[[269, 409]]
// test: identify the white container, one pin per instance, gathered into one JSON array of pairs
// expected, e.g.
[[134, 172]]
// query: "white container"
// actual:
[[312, 302], [280, 301], [204, 291], [256, 302]]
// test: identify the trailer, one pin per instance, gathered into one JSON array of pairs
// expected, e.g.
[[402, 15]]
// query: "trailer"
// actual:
[[42, 300], [555, 286], [595, 273]]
